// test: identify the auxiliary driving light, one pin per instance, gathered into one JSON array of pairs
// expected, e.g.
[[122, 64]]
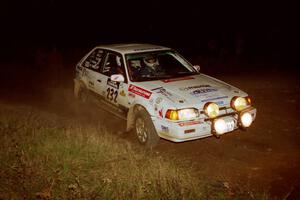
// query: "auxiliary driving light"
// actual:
[[240, 103], [220, 126], [246, 119], [211, 109]]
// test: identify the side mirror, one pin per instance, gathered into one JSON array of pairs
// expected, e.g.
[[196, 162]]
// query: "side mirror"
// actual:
[[197, 68], [117, 78]]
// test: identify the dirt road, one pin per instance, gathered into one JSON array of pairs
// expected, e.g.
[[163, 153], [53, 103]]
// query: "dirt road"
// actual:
[[266, 157]]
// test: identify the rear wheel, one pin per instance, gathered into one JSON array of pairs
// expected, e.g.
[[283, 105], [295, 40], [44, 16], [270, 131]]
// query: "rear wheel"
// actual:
[[145, 130]]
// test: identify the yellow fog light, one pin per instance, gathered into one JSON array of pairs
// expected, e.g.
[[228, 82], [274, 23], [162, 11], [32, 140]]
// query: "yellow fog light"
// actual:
[[220, 126], [211, 109], [239, 103], [246, 119]]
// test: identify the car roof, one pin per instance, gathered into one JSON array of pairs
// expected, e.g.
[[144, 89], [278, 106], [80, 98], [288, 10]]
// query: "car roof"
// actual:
[[133, 48]]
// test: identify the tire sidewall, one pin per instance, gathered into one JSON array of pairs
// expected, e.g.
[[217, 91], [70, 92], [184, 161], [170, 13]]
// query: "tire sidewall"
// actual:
[[152, 137]]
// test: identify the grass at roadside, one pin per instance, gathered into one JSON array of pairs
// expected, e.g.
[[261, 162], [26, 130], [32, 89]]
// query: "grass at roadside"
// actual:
[[43, 156]]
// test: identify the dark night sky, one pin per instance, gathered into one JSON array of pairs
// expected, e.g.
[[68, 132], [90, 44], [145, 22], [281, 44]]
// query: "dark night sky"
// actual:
[[270, 28]]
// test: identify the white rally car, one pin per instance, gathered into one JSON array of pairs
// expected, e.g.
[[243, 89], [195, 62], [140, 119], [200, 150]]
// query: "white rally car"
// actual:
[[160, 94]]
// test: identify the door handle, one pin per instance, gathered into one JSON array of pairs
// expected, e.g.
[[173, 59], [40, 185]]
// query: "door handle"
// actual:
[[99, 80]]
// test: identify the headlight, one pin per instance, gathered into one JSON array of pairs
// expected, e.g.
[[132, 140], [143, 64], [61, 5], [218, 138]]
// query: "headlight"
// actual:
[[240, 103], [182, 114], [211, 109]]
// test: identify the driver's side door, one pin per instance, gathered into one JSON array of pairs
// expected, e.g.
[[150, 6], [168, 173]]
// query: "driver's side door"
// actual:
[[115, 92]]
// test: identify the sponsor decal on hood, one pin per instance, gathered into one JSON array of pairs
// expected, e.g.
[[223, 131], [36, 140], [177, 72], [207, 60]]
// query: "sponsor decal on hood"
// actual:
[[164, 93], [193, 87], [139, 91], [201, 92], [199, 89]]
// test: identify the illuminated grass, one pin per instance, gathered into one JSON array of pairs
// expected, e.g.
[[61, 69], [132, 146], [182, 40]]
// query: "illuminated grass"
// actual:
[[44, 156]]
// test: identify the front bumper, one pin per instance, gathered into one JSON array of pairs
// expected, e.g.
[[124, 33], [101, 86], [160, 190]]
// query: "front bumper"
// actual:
[[200, 128]]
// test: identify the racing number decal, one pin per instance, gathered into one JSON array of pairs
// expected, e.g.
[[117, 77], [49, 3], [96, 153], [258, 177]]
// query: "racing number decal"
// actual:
[[112, 94]]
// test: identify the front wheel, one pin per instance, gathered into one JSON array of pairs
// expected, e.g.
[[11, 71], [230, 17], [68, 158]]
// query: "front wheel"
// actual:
[[145, 130]]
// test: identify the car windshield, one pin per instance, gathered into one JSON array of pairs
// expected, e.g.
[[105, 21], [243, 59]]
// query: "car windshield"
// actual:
[[157, 65]]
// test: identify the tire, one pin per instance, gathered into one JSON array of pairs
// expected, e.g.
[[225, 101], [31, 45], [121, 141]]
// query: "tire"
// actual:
[[144, 130]]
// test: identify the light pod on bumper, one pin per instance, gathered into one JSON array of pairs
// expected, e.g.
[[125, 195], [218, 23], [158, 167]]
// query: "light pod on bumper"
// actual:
[[220, 126], [240, 103], [211, 109], [246, 119]]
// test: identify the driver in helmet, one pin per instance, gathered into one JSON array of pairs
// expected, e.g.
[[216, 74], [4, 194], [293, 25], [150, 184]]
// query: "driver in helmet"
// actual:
[[151, 66], [151, 62]]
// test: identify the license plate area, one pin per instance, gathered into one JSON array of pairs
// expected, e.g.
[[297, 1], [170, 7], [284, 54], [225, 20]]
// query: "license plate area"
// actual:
[[230, 124]]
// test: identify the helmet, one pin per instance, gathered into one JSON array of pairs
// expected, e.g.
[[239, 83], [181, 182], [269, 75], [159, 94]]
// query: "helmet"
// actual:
[[151, 62]]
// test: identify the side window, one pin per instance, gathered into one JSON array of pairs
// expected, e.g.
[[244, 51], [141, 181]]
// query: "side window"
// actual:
[[134, 67], [113, 65], [93, 61]]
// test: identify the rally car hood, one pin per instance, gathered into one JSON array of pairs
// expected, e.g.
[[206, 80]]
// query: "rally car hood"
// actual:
[[191, 90]]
